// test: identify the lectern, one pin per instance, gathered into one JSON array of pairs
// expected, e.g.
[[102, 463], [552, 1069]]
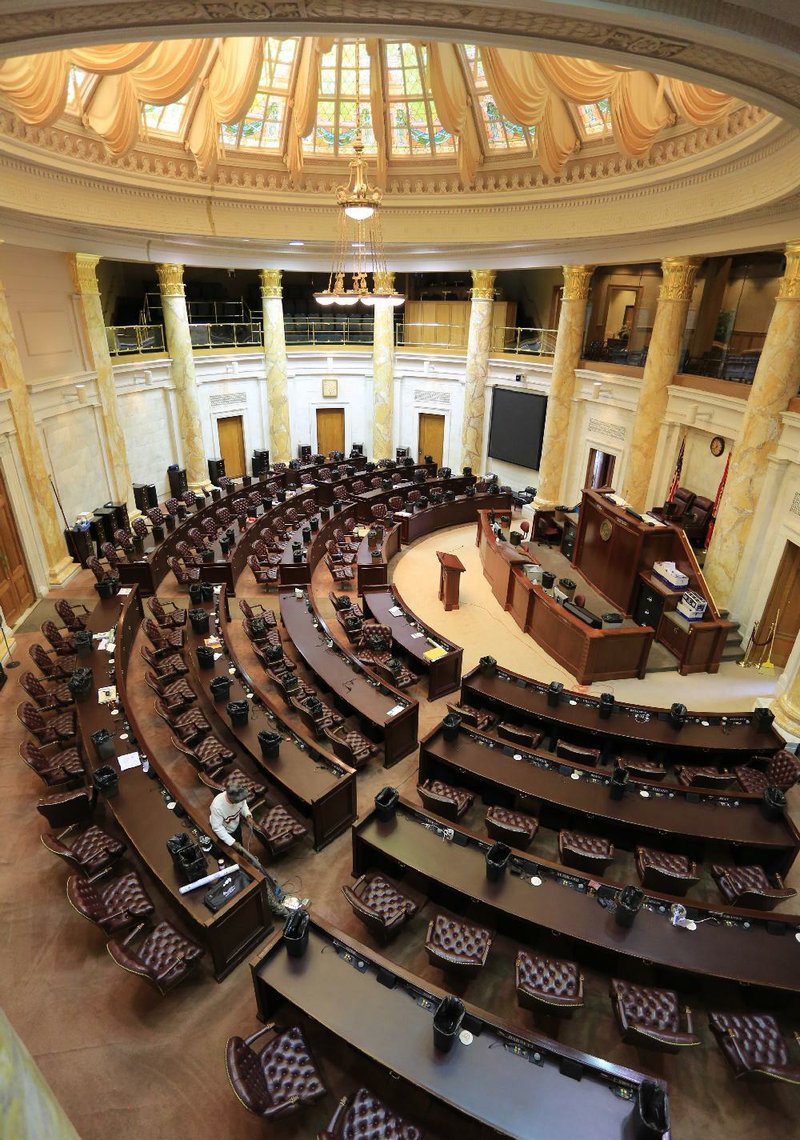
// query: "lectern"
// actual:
[[450, 570]]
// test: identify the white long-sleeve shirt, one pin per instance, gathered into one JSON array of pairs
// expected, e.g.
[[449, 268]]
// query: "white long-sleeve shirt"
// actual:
[[225, 817]]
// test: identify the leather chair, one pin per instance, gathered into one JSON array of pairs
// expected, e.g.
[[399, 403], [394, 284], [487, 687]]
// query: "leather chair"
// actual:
[[343, 543], [339, 573], [695, 522], [378, 511], [753, 1046], [176, 695], [698, 776], [67, 614], [652, 1018], [163, 640], [189, 726], [262, 554], [586, 852], [546, 530], [277, 829], [113, 906], [225, 484], [780, 771], [48, 700], [684, 500], [50, 665], [665, 871], [166, 668], [380, 904], [172, 619], [55, 730], [512, 827], [184, 575], [189, 498], [457, 946], [750, 887], [61, 640], [91, 851], [198, 539], [207, 754], [210, 528], [641, 768], [252, 610], [96, 567], [278, 1080], [338, 556], [164, 958], [265, 576], [255, 791], [62, 767], [444, 799], [67, 808], [350, 746], [527, 737], [109, 552], [577, 754], [476, 718], [156, 516], [548, 982], [124, 539], [363, 1116], [140, 529]]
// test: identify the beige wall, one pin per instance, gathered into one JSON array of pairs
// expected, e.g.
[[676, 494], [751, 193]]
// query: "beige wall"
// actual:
[[702, 471], [43, 312]]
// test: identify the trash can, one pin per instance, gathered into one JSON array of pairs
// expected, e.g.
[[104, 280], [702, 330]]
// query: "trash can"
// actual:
[[447, 1023], [207, 590], [103, 743], [568, 587], [488, 666], [270, 744], [199, 620], [207, 555], [496, 860], [629, 902], [106, 780], [295, 933], [195, 592], [81, 685], [83, 642], [386, 803], [205, 657], [619, 779], [450, 725], [651, 1112], [220, 689], [238, 711], [773, 804]]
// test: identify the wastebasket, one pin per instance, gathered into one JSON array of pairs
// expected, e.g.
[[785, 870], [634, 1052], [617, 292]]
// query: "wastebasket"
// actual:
[[80, 685], [220, 688], [651, 1112], [450, 725], [270, 744], [629, 902], [619, 779], [295, 933], [496, 860], [386, 803], [83, 642], [447, 1023], [238, 711], [199, 620], [106, 780]]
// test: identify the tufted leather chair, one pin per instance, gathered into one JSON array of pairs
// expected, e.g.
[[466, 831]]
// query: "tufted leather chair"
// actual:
[[527, 737], [380, 904], [198, 539], [140, 528], [92, 850], [444, 799], [641, 768], [210, 528], [476, 718], [277, 829], [780, 771], [52, 668], [577, 754], [339, 573], [276, 1081], [379, 511], [176, 695], [166, 668], [393, 670], [376, 483], [67, 614], [208, 755], [339, 556], [189, 726], [172, 619], [341, 493], [264, 575], [375, 643], [225, 484], [359, 487], [587, 852], [48, 700], [351, 747], [117, 904], [96, 567], [255, 791], [750, 887], [455, 945], [60, 768], [652, 1018], [752, 1045], [184, 575], [695, 521], [164, 958], [694, 776], [512, 827], [271, 539], [56, 730], [163, 640], [66, 807], [551, 982], [255, 609], [261, 552], [254, 502], [546, 530], [189, 498], [364, 1117], [665, 871], [395, 503], [109, 552], [124, 539], [341, 541], [61, 640]]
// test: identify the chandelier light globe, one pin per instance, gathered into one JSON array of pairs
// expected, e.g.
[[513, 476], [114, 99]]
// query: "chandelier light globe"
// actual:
[[359, 213]]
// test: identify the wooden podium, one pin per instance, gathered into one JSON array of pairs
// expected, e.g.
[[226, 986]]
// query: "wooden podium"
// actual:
[[450, 570]]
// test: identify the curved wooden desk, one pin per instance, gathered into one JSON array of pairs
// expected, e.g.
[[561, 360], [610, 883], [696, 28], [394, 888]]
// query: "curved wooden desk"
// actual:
[[463, 509], [373, 571], [368, 499], [411, 636]]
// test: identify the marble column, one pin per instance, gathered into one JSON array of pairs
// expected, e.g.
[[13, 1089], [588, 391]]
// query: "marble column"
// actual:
[[479, 341], [277, 366], [83, 267], [179, 347], [663, 356], [36, 474], [569, 343], [786, 706], [383, 370], [774, 384]]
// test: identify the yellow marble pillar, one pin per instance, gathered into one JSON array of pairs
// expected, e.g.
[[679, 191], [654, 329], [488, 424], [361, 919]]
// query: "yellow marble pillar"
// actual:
[[663, 356], [277, 366], [383, 370], [774, 384], [569, 343], [37, 476], [179, 347], [479, 341], [83, 267]]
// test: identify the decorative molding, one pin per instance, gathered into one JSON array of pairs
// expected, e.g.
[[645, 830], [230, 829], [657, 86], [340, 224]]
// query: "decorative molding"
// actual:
[[577, 281], [607, 431], [429, 396], [789, 288], [271, 283], [677, 282], [83, 270], [795, 507], [170, 280], [482, 284], [227, 399]]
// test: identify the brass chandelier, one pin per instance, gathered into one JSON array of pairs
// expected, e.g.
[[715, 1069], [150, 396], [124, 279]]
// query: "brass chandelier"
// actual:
[[359, 243]]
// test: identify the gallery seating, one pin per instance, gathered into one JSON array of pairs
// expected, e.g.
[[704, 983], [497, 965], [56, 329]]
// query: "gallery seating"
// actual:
[[512, 827], [651, 1017], [91, 851], [750, 887], [54, 730], [444, 799], [112, 905], [586, 852], [779, 771], [163, 958], [457, 946], [61, 767], [48, 700], [551, 983], [364, 1116], [279, 1079], [665, 871], [380, 904], [52, 668], [753, 1046]]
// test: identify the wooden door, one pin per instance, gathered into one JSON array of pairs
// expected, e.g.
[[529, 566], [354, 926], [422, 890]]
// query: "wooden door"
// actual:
[[231, 445], [330, 430], [600, 471], [431, 438], [782, 605], [16, 588]]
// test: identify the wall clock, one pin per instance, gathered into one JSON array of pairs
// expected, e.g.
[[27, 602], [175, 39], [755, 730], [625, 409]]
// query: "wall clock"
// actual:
[[717, 445]]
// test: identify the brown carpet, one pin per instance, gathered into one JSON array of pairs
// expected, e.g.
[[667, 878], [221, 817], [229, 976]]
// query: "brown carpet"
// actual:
[[126, 1063]]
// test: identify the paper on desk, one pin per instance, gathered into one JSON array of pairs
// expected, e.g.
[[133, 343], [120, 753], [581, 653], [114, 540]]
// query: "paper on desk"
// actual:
[[212, 643], [402, 514], [129, 760], [413, 635], [106, 694], [397, 709], [396, 611], [124, 591]]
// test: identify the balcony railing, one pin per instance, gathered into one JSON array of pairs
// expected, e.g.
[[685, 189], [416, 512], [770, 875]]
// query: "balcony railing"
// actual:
[[123, 339], [329, 328], [226, 335], [517, 341]]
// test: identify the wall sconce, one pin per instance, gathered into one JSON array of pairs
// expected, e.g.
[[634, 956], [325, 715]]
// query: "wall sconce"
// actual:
[[148, 377], [598, 390], [81, 393]]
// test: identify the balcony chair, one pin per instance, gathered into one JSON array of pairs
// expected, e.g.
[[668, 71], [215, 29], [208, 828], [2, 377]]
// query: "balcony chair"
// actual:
[[665, 871], [63, 767], [48, 700], [52, 668], [512, 827], [56, 729], [364, 1116], [66, 612], [753, 1046], [444, 799], [586, 852], [779, 771], [458, 946], [750, 887]]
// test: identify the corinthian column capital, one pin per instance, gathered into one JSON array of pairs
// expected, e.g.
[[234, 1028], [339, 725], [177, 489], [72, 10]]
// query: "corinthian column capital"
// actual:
[[678, 277], [482, 284], [83, 268], [577, 280], [384, 281], [271, 283], [170, 280], [789, 288]]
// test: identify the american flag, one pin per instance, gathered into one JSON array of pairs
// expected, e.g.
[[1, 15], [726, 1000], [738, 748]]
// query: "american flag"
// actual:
[[676, 478], [720, 489]]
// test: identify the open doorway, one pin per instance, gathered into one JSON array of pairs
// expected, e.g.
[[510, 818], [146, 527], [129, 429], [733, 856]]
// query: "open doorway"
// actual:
[[783, 608], [600, 471]]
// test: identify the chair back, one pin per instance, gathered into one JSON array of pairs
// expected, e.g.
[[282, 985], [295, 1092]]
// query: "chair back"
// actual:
[[38, 655], [53, 634]]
